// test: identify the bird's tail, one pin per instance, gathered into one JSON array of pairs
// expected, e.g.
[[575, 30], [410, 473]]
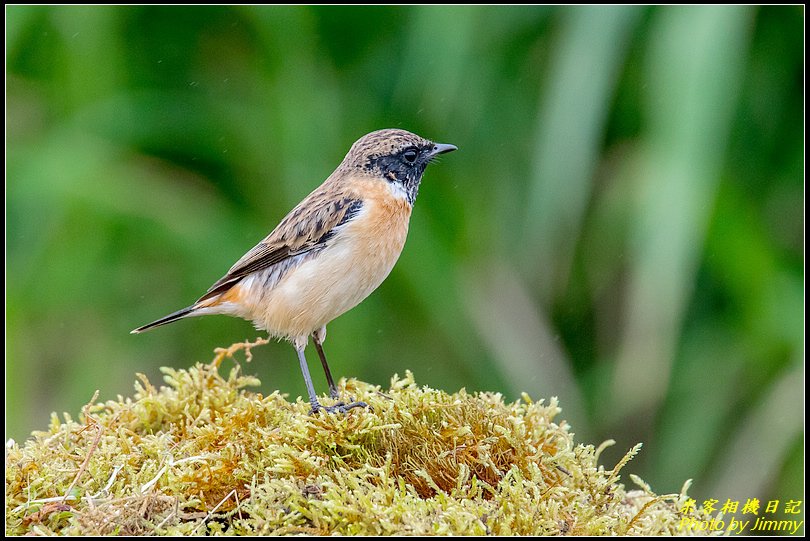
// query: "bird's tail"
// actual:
[[180, 314]]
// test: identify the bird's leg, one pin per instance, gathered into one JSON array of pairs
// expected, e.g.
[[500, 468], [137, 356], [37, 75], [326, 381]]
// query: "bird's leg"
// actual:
[[340, 407], [313, 400], [302, 360], [317, 339]]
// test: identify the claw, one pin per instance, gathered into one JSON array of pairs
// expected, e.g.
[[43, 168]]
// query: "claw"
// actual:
[[340, 407]]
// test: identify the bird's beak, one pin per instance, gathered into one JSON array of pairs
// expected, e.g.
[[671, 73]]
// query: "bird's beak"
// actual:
[[441, 148]]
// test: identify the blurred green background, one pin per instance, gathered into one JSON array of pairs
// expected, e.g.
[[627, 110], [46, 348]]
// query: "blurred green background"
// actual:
[[622, 226]]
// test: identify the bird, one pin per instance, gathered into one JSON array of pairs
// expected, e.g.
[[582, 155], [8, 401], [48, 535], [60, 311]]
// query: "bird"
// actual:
[[329, 253]]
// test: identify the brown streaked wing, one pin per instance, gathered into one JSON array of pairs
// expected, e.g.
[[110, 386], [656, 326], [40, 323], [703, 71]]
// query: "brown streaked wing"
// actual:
[[306, 227]]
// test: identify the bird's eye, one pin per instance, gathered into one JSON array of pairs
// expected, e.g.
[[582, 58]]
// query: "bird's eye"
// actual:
[[410, 155]]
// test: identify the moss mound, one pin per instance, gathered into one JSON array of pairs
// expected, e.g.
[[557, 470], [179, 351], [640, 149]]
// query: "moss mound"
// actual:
[[204, 455]]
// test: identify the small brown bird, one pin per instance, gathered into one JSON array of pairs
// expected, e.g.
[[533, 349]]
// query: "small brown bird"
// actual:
[[329, 253]]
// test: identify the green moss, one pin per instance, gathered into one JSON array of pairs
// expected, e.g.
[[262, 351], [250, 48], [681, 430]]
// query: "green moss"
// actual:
[[206, 455]]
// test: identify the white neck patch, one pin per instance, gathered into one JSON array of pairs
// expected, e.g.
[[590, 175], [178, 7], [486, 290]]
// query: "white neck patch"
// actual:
[[399, 191]]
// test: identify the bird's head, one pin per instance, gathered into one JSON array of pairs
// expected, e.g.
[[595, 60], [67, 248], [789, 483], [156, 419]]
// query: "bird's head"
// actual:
[[397, 157]]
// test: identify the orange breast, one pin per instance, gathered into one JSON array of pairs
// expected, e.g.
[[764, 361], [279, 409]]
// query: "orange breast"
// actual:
[[354, 263]]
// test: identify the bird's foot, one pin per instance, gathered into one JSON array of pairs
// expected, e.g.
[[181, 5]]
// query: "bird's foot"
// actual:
[[340, 407]]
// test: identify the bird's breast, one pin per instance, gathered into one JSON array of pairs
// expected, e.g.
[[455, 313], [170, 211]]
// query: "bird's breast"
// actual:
[[354, 262]]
